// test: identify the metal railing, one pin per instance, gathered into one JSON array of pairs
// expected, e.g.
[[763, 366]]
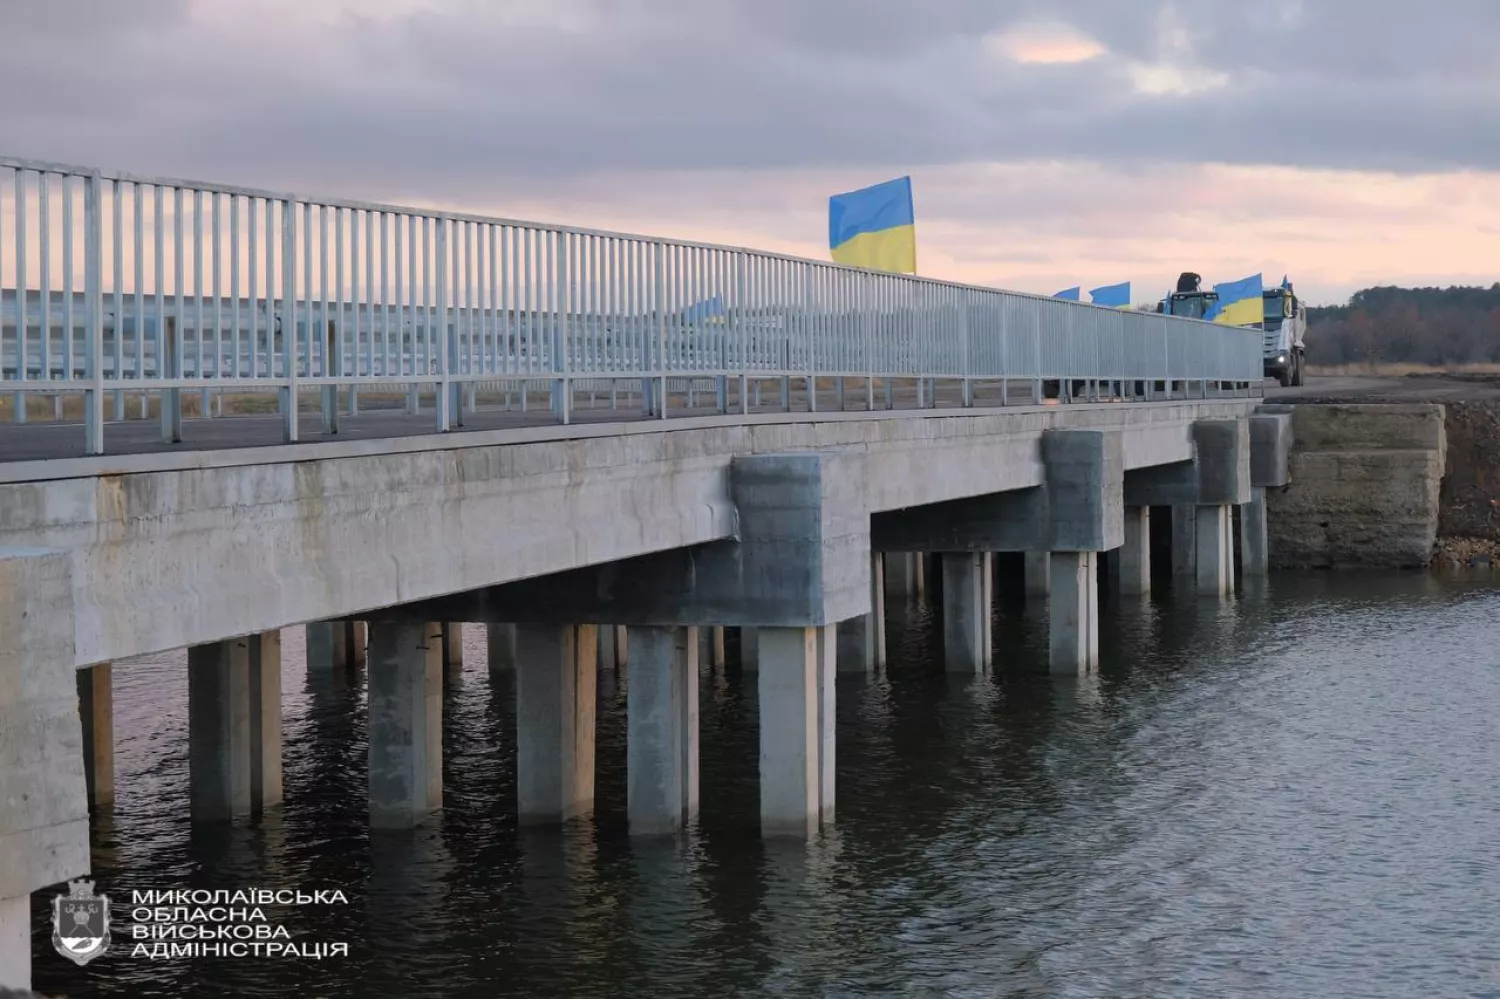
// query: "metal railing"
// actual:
[[112, 283]]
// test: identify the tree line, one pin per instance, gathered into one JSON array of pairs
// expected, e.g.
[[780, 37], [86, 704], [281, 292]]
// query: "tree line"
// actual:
[[1389, 325]]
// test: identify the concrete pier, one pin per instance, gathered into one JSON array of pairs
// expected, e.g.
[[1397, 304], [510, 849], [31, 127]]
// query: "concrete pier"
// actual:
[[901, 575], [234, 726], [1185, 541], [1133, 558], [662, 731], [453, 649], [96, 714], [406, 723], [790, 732], [1038, 571], [861, 640], [1254, 542], [44, 824], [825, 670], [502, 647], [334, 645], [964, 612], [265, 720], [556, 691], [1073, 610], [749, 649], [1213, 555]]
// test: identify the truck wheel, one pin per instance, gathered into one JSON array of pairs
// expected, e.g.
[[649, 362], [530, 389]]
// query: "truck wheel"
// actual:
[[1284, 376], [1299, 375]]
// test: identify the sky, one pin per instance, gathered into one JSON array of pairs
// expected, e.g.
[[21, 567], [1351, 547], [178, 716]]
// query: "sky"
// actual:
[[1345, 143]]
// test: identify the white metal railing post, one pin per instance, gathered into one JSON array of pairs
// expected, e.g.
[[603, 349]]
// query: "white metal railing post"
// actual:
[[660, 390], [289, 372], [443, 397], [562, 297], [93, 249], [968, 349], [741, 335]]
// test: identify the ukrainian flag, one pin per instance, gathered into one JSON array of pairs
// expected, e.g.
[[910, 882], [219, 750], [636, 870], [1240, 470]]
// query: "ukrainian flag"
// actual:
[[1116, 296], [1068, 294], [1240, 302], [875, 227]]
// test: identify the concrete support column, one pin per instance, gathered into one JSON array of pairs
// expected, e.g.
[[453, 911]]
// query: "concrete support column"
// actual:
[[265, 720], [987, 600], [1215, 568], [901, 575], [861, 640], [662, 731], [1133, 559], [1255, 553], [358, 636], [1038, 574], [826, 668], [96, 712], [790, 732], [749, 649], [920, 562], [406, 723], [963, 612], [716, 642], [502, 647], [1184, 541], [453, 648], [234, 727], [44, 825], [328, 646], [1074, 612], [556, 692], [15, 942]]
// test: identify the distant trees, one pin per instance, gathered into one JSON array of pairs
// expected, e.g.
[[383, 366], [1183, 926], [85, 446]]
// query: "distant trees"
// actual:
[[1389, 325]]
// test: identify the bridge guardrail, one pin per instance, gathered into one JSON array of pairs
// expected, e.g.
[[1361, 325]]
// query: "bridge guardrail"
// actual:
[[111, 282]]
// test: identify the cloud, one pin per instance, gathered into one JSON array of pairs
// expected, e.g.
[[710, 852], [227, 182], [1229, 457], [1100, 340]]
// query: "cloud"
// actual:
[[1047, 137]]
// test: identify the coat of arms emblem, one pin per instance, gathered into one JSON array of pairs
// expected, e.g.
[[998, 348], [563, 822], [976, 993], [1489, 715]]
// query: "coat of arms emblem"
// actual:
[[80, 923]]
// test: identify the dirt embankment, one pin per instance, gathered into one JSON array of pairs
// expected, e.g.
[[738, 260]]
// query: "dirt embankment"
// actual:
[[1469, 503]]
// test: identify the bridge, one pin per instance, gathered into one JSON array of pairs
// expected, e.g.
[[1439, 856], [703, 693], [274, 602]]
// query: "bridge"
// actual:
[[603, 448]]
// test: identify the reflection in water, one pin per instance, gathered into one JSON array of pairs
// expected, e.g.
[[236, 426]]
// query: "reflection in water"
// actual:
[[1288, 793]]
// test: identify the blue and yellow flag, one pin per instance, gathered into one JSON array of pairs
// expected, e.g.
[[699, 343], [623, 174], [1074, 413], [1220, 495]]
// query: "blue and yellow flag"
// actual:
[[875, 227], [1069, 294], [1116, 296], [1240, 302]]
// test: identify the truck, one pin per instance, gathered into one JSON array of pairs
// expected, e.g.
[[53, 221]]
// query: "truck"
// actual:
[[1283, 323]]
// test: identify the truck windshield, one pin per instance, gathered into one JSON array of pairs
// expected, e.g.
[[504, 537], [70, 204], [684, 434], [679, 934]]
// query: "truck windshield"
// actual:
[[1191, 306]]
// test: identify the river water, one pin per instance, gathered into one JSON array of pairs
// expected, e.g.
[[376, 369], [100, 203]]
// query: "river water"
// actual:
[[1290, 794]]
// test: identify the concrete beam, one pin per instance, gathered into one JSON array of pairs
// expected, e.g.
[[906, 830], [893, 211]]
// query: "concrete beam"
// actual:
[[999, 522], [44, 814], [800, 559], [1219, 472]]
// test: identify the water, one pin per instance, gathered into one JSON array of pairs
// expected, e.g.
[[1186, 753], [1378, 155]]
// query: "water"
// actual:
[[1290, 795]]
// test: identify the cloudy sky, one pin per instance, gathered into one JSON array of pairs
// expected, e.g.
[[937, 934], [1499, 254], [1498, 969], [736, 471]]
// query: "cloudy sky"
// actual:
[[1051, 142]]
